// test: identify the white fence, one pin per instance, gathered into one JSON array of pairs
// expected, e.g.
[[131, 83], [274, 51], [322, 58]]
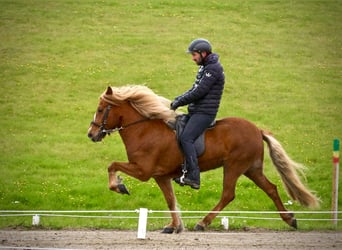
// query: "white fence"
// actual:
[[143, 214]]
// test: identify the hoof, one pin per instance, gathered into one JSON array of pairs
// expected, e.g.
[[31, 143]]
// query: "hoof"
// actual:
[[293, 221], [168, 230], [123, 189], [198, 227]]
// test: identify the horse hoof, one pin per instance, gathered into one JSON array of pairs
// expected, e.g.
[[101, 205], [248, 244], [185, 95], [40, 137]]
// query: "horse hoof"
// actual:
[[198, 227], [123, 189], [168, 230]]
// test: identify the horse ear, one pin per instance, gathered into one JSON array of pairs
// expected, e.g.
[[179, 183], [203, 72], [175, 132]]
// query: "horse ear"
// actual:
[[109, 91]]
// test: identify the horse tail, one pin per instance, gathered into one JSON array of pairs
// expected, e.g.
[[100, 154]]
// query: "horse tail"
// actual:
[[287, 169]]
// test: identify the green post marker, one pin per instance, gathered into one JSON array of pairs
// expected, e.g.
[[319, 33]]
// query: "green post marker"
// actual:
[[336, 161], [336, 144]]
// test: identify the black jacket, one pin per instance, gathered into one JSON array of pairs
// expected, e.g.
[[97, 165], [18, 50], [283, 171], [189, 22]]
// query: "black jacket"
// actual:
[[205, 95]]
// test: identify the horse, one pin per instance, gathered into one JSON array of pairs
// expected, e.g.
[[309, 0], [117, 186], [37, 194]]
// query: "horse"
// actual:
[[142, 119]]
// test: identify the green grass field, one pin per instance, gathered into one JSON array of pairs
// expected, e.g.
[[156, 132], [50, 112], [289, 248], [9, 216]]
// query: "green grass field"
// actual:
[[282, 61]]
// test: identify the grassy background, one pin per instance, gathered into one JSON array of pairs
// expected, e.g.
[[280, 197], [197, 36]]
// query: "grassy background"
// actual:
[[282, 60]]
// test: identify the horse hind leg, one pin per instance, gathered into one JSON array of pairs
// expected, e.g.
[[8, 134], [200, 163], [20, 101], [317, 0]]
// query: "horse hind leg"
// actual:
[[256, 175], [228, 194]]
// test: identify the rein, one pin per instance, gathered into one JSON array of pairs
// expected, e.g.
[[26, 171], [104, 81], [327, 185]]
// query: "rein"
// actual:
[[109, 131]]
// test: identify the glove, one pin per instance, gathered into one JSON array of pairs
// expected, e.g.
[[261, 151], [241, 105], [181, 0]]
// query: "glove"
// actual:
[[174, 105]]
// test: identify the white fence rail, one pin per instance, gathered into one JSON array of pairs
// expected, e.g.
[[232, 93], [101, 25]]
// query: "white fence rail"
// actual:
[[142, 214], [151, 214]]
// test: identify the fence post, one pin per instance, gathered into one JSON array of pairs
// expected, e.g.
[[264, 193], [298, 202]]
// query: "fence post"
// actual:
[[225, 222], [142, 223], [35, 220], [336, 160]]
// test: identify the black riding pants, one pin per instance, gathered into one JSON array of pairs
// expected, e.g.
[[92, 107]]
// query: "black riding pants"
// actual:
[[195, 126]]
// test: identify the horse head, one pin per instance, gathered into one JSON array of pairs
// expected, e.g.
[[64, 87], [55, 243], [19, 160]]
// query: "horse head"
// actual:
[[126, 106], [106, 118]]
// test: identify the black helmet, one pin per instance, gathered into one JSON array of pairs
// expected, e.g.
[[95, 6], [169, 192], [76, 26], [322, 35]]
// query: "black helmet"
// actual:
[[199, 45]]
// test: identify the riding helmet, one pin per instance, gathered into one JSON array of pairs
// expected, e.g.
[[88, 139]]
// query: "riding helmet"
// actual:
[[199, 45]]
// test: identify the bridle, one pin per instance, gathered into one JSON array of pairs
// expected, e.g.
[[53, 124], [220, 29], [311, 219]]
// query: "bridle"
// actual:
[[103, 124]]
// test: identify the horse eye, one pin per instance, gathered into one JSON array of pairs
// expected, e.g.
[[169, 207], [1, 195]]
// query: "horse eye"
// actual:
[[99, 110]]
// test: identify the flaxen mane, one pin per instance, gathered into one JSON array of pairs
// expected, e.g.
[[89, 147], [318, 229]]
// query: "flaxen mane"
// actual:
[[143, 100]]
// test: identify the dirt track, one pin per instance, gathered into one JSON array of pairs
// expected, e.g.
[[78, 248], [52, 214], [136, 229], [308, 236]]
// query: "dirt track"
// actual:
[[106, 239]]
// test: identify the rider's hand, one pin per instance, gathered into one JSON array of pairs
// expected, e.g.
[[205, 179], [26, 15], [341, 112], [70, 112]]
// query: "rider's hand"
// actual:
[[174, 105]]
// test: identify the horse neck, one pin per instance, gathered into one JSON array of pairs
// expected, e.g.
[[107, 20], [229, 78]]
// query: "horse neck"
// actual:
[[145, 130], [129, 115]]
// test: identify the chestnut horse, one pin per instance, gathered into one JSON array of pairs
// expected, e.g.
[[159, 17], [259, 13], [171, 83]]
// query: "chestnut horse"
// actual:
[[141, 117]]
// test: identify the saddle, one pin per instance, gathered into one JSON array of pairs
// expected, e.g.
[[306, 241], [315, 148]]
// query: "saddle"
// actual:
[[179, 125]]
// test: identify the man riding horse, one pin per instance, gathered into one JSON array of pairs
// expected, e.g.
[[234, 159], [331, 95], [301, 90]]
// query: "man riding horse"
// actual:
[[203, 101]]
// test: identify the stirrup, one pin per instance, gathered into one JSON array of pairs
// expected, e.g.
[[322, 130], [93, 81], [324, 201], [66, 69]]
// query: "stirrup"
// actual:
[[180, 180]]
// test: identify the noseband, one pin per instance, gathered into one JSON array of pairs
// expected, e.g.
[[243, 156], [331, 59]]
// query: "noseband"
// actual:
[[104, 123]]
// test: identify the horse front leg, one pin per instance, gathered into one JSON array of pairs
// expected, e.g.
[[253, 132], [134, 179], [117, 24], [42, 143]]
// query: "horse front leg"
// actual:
[[176, 224], [115, 182]]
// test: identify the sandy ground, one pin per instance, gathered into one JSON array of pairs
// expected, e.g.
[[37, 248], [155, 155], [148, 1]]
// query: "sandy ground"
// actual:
[[107, 239]]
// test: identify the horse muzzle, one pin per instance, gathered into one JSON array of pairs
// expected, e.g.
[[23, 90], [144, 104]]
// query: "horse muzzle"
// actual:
[[96, 137]]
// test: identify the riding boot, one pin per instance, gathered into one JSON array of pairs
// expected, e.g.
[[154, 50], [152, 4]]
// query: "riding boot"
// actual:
[[192, 177]]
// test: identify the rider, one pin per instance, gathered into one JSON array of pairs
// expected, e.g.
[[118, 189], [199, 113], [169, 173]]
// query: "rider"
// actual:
[[203, 101]]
